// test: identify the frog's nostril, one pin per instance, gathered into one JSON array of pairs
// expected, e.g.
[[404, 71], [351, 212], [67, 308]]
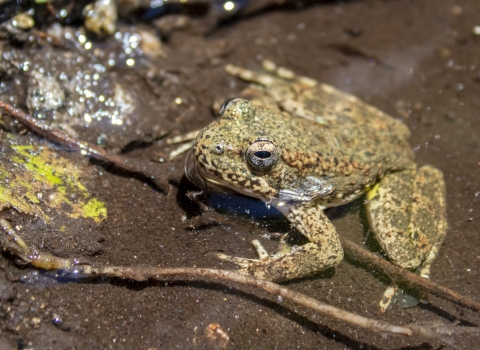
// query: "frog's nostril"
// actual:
[[219, 149]]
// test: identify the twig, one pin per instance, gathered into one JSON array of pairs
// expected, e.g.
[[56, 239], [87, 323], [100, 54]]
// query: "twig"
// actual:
[[402, 276], [13, 243], [145, 273], [436, 331], [86, 148]]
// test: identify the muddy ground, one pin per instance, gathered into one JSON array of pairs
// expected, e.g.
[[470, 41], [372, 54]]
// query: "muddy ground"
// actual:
[[417, 60]]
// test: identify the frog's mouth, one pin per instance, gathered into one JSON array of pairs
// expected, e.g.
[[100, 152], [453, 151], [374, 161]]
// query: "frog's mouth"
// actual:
[[308, 189], [203, 179], [192, 171]]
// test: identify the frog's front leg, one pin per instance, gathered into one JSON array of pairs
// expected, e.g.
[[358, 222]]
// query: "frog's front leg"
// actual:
[[407, 214], [323, 251]]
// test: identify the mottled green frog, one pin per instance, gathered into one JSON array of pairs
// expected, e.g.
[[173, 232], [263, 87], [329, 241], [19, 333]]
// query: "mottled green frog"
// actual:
[[303, 146]]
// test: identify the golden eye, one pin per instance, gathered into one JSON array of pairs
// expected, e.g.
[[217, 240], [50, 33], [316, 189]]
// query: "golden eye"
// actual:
[[262, 155]]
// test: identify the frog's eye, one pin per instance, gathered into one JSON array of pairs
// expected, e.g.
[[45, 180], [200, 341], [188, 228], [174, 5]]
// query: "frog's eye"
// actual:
[[261, 155], [227, 104]]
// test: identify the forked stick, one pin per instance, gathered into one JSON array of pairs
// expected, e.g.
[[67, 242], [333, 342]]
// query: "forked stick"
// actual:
[[399, 275], [11, 242], [437, 331], [16, 245]]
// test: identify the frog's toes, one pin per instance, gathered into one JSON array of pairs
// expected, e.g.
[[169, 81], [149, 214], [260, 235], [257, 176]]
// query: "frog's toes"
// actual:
[[271, 75], [387, 299], [425, 271], [249, 75], [395, 296], [244, 262], [287, 74], [282, 72], [261, 251], [253, 267]]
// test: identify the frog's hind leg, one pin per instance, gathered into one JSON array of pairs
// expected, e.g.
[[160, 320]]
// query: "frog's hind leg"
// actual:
[[323, 251], [407, 213]]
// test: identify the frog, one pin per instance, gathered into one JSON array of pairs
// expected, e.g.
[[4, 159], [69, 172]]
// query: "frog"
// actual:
[[304, 146]]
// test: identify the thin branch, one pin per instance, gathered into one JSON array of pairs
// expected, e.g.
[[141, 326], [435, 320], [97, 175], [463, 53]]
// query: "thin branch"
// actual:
[[86, 148], [11, 242], [398, 274], [432, 331], [405, 277]]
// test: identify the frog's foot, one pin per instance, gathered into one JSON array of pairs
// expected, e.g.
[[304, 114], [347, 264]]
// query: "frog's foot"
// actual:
[[244, 262], [323, 251], [186, 141], [14, 244], [272, 75], [277, 88], [282, 89], [265, 267], [407, 213]]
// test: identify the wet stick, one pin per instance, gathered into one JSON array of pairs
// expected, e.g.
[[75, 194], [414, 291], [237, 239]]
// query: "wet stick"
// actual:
[[86, 148], [398, 274], [437, 331], [14, 244], [403, 276]]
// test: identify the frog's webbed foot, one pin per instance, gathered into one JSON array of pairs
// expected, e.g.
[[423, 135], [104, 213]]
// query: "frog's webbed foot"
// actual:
[[185, 142], [323, 251], [245, 263], [272, 75], [282, 89], [407, 213], [261, 267]]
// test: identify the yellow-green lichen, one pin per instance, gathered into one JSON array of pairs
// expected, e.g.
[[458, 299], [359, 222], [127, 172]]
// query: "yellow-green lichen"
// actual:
[[34, 177], [93, 209]]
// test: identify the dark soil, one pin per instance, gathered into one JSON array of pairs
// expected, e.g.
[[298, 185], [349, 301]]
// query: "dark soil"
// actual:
[[417, 60]]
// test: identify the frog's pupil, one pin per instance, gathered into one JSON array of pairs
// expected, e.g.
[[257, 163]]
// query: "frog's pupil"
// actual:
[[263, 154]]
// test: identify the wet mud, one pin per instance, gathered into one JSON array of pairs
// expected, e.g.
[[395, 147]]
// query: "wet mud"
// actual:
[[417, 60]]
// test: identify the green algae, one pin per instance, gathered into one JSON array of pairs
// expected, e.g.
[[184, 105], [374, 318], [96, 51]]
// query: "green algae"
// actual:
[[36, 180], [93, 209]]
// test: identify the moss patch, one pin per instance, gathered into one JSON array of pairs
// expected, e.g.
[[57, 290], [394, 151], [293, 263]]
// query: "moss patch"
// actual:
[[34, 178]]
